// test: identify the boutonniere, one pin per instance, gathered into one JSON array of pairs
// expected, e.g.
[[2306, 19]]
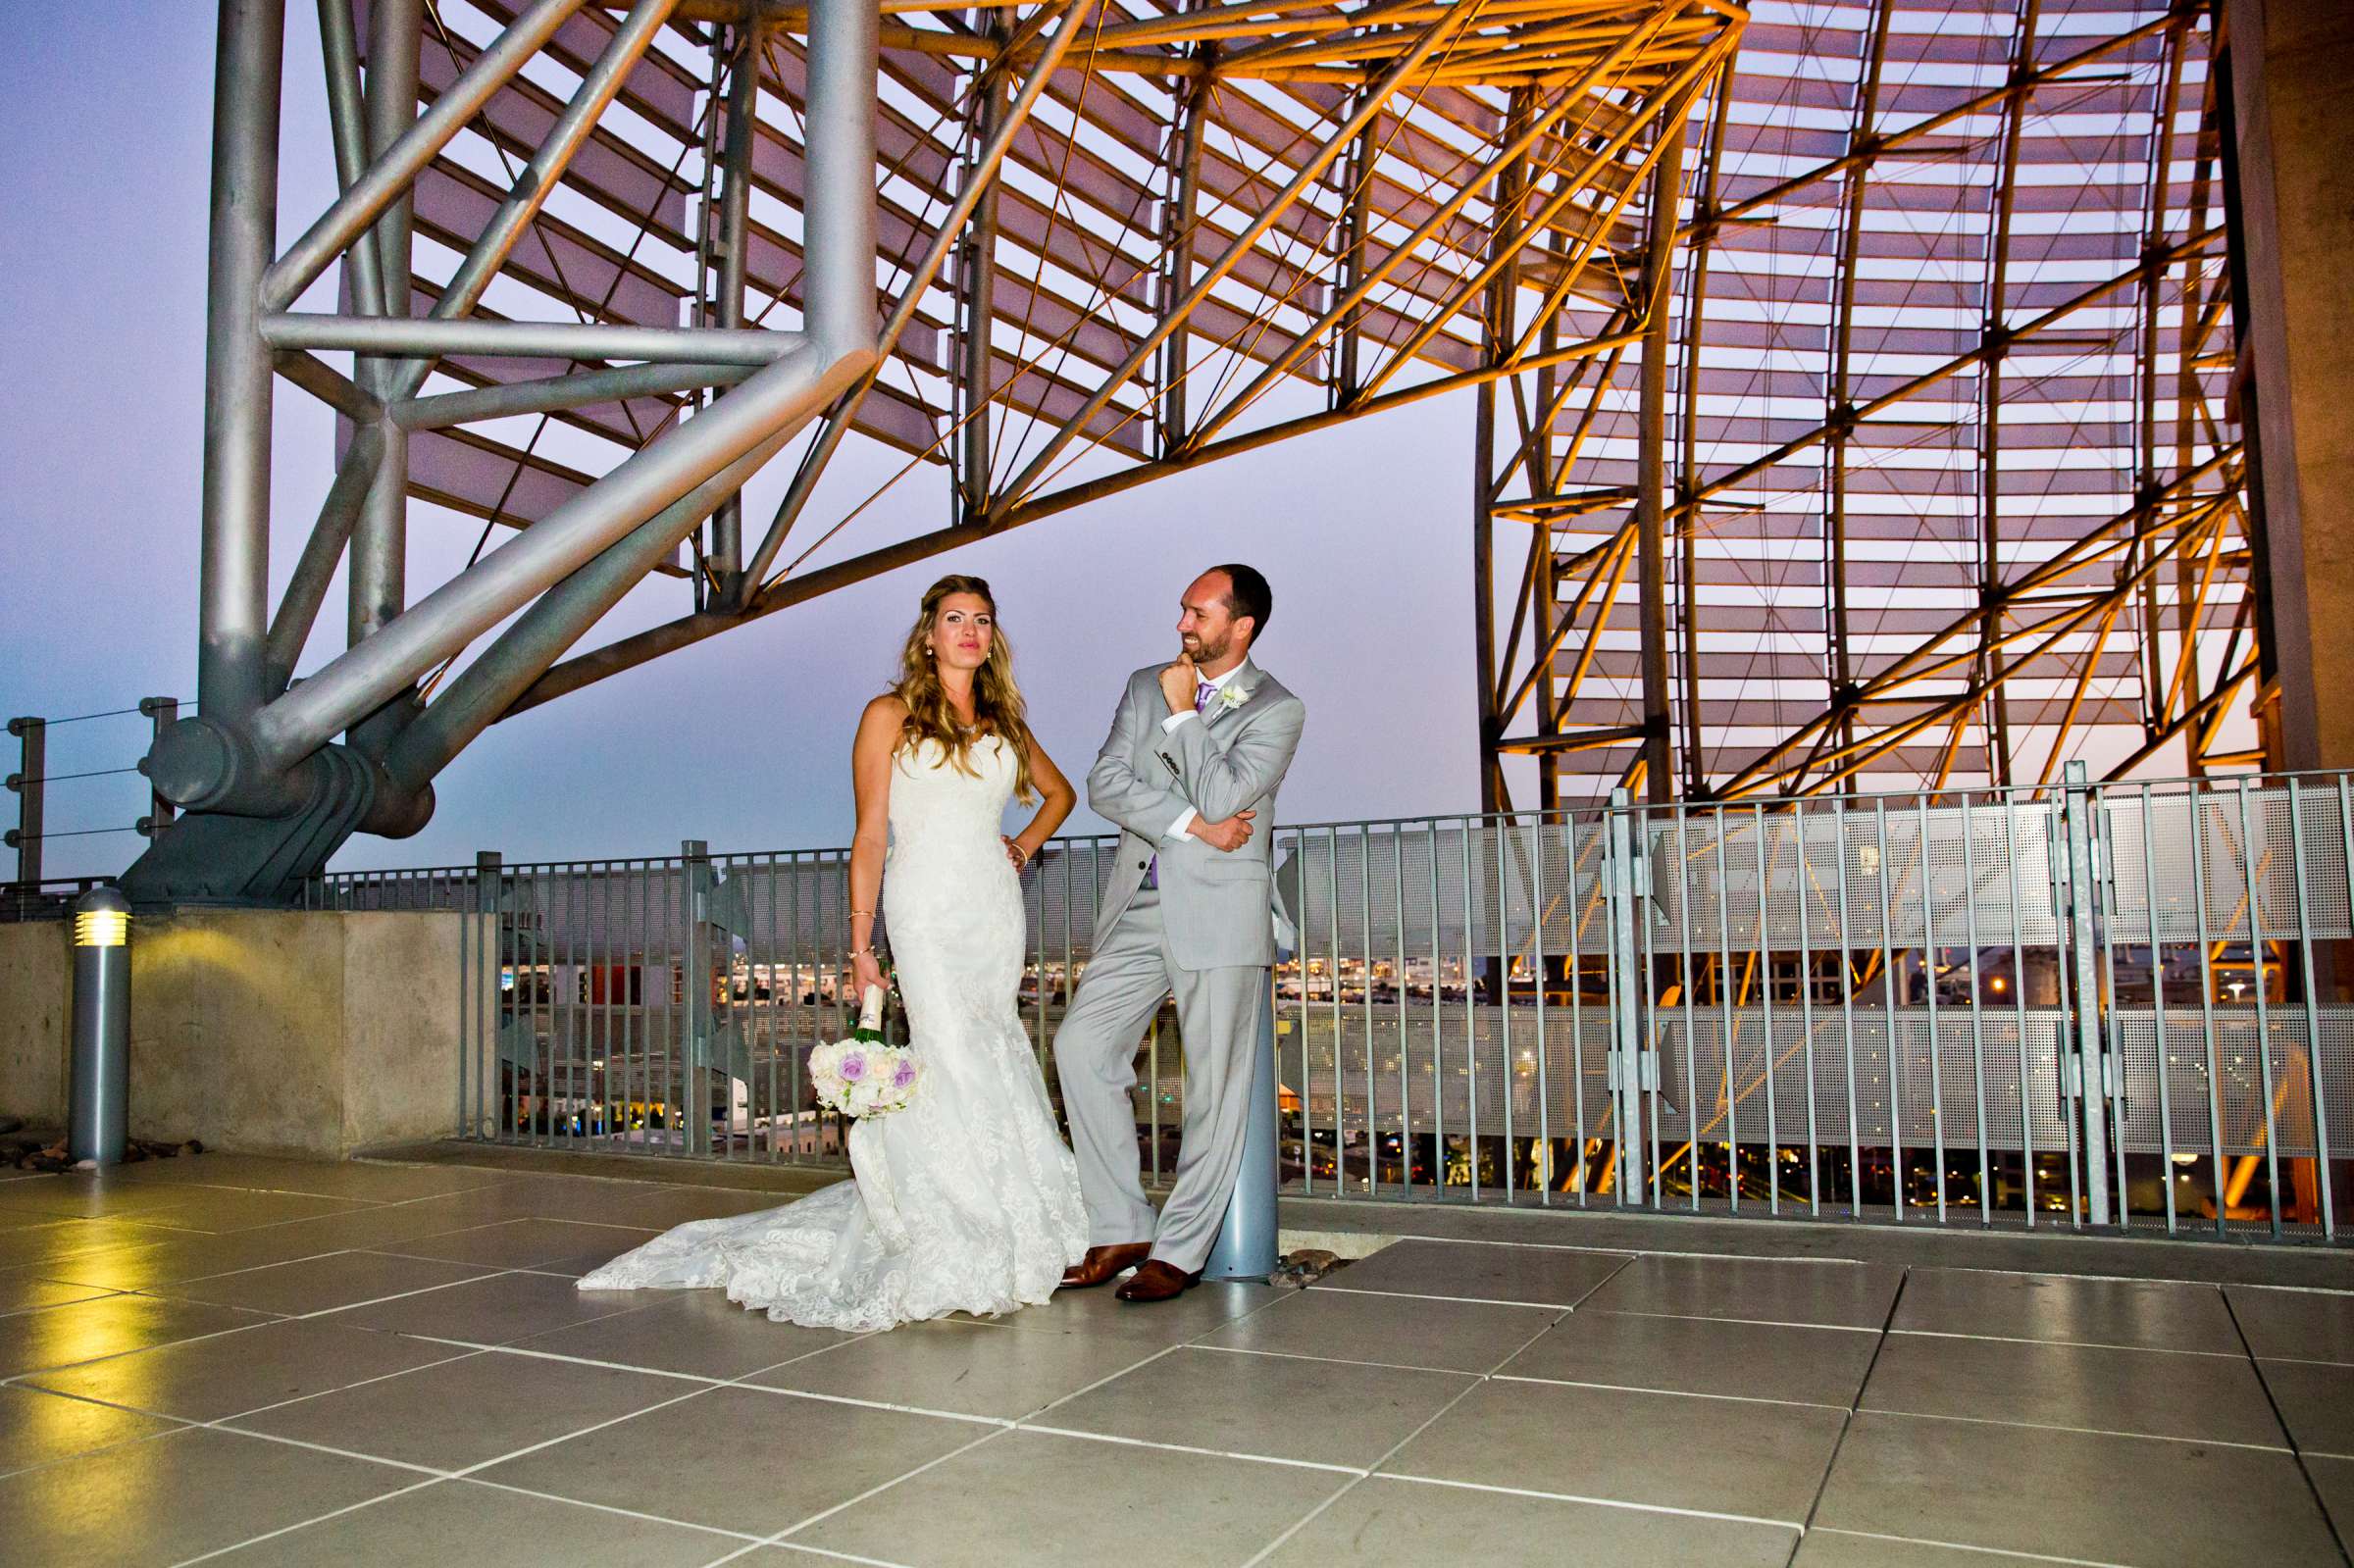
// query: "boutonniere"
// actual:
[[1232, 697]]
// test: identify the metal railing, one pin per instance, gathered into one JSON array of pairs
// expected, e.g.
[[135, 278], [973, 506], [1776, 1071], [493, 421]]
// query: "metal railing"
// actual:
[[2085, 1005]]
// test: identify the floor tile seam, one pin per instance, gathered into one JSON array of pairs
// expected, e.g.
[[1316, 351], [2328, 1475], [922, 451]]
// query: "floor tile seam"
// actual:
[[343, 1388], [1631, 1252], [2260, 1360], [304, 1524], [1847, 1419], [1997, 1553], [1164, 1350], [778, 1537], [431, 1472], [2066, 1344], [1342, 1361], [2292, 1290], [522, 1348], [176, 1425], [1673, 1393], [268, 1319], [250, 1268], [1032, 1425], [1394, 1450], [2312, 1486], [1623, 1503], [472, 1470], [1753, 1323], [2089, 1432], [999, 1422], [1452, 1300], [316, 1313], [745, 1536], [480, 1274], [814, 1551]]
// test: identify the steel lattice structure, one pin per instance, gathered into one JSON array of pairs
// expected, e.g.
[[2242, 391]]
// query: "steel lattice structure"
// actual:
[[596, 263], [1946, 491]]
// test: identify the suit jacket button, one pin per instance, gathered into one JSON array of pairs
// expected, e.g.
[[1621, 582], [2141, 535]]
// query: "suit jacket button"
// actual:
[[1140, 865]]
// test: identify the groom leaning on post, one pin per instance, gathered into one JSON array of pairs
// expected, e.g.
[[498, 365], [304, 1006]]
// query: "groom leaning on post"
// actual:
[[1190, 772]]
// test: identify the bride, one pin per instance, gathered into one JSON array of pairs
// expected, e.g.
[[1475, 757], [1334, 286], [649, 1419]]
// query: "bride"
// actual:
[[966, 1200]]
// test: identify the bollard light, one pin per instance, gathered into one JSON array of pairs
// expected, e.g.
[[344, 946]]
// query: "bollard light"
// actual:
[[97, 1123]]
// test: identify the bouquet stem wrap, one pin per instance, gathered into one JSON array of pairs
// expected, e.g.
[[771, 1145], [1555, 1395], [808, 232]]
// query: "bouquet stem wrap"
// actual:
[[864, 1078]]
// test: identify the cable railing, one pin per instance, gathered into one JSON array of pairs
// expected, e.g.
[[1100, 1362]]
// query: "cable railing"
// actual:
[[2107, 1005]]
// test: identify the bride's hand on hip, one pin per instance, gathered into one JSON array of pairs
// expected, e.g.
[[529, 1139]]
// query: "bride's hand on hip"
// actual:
[[865, 969], [1016, 852]]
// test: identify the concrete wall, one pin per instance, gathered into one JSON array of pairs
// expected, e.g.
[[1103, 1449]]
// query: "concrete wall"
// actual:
[[34, 1008], [2292, 76], [261, 1031]]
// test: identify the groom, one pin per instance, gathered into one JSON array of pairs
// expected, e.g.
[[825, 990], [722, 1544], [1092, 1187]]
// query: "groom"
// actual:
[[1195, 752]]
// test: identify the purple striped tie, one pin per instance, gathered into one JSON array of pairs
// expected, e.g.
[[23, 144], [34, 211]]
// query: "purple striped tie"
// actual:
[[1201, 695]]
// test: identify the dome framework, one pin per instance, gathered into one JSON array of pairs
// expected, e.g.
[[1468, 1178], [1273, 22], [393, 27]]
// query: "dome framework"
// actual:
[[1848, 378]]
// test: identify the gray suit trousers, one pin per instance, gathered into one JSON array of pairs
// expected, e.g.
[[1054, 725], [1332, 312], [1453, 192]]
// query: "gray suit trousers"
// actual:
[[1095, 1057]]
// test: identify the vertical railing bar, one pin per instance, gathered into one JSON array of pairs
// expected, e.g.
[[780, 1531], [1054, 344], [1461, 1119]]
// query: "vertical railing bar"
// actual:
[[1576, 969], [1683, 904], [1506, 827], [2069, 990], [2166, 1095], [2215, 1056], [1806, 1007], [2019, 1005], [1774, 1115], [795, 881], [2264, 1045], [1470, 1014], [2313, 1028], [1929, 979], [1364, 927], [1724, 1005], [1407, 1090], [1543, 1167], [1438, 1025], [1847, 1012], [1648, 1031], [1332, 881], [1888, 1013], [2104, 884], [1977, 1002]]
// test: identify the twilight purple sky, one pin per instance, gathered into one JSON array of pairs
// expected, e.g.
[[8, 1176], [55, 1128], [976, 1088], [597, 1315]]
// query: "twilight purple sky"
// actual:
[[105, 124]]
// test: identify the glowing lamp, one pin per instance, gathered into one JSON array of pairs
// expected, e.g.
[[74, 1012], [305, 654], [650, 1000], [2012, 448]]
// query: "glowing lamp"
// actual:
[[101, 927]]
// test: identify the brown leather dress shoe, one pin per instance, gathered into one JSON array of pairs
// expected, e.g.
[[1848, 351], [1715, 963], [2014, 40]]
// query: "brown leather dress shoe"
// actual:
[[1155, 1280], [1102, 1262]]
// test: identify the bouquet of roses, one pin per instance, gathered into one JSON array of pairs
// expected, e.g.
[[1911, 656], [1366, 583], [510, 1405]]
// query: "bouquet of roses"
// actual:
[[862, 1076]]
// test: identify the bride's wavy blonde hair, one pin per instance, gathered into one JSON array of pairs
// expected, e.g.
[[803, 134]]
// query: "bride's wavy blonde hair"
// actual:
[[998, 706]]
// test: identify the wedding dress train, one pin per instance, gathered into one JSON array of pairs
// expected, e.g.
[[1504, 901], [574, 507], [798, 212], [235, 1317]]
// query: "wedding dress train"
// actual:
[[966, 1200]]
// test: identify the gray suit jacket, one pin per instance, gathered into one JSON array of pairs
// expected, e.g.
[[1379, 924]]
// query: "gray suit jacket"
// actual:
[[1218, 909]]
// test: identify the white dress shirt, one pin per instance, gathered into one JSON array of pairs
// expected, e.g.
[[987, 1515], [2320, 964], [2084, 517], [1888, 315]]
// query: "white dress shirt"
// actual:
[[1177, 829]]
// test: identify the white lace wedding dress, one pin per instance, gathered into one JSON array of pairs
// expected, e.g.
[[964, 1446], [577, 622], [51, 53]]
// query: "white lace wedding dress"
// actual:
[[966, 1200]]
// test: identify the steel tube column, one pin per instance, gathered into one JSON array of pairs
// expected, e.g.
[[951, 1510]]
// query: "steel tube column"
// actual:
[[838, 280], [238, 380], [1651, 462], [378, 586], [726, 554]]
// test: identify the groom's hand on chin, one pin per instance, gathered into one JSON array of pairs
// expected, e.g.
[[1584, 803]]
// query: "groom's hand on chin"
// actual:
[[1178, 683], [1226, 836]]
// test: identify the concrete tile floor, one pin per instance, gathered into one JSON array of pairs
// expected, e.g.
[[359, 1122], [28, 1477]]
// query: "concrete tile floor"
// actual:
[[251, 1361]]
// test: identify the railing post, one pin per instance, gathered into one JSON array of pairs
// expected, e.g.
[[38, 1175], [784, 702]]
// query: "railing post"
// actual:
[[481, 962], [1629, 990], [2087, 1069], [695, 1099], [31, 785]]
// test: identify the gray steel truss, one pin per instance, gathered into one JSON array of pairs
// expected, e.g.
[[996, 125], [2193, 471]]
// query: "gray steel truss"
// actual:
[[595, 264]]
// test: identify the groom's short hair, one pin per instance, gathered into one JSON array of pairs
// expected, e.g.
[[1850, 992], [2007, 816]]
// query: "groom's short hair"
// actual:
[[1248, 594]]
